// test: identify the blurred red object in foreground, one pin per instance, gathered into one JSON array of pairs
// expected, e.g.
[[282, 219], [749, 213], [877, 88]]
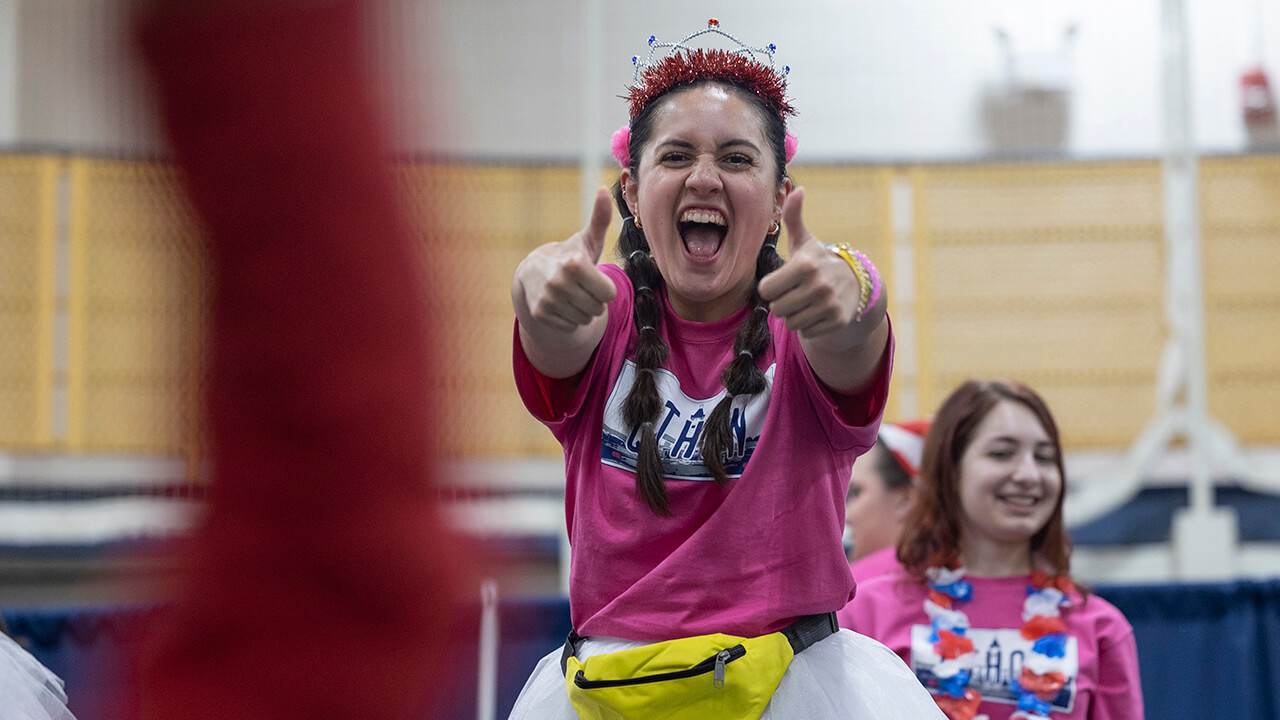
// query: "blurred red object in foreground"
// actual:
[[321, 584]]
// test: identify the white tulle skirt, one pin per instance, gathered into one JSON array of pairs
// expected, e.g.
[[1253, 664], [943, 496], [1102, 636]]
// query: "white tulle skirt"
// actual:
[[846, 675], [28, 690]]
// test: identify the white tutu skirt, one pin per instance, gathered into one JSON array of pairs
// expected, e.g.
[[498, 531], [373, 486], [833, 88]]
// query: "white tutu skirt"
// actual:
[[28, 690], [846, 675]]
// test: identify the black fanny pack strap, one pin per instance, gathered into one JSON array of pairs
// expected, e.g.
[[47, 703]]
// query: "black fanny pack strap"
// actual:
[[801, 634], [810, 629], [570, 649]]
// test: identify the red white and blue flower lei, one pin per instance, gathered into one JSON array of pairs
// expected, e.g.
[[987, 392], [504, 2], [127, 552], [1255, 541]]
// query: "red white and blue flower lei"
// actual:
[[1043, 673]]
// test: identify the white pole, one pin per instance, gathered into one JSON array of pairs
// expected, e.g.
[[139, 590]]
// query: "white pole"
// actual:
[[589, 151], [591, 146], [487, 680], [1204, 537], [566, 556], [1184, 298], [10, 70]]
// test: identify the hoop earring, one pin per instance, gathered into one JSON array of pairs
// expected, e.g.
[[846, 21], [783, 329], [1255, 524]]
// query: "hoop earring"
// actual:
[[777, 228]]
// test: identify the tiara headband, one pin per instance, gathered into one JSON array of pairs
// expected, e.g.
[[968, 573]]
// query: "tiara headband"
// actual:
[[682, 65]]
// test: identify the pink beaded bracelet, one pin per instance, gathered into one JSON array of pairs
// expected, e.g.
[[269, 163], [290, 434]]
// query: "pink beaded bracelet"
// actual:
[[876, 283], [869, 283]]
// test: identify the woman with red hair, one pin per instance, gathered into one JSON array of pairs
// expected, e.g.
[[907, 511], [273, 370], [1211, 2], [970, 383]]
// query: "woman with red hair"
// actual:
[[983, 606]]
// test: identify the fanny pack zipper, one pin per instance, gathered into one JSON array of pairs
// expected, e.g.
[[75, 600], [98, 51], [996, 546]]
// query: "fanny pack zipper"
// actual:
[[714, 664]]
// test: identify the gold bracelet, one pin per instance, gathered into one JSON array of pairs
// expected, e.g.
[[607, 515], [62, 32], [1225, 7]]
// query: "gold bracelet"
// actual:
[[865, 285]]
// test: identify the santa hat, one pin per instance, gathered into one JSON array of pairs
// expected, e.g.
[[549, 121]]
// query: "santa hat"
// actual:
[[905, 441]]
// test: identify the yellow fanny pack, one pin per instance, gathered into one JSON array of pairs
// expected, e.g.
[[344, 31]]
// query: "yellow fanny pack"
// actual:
[[708, 677]]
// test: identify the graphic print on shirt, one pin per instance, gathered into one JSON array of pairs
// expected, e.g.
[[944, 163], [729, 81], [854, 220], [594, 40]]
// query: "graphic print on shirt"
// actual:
[[1001, 654], [679, 427]]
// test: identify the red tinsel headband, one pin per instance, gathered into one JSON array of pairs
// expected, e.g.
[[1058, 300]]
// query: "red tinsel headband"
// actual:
[[738, 67], [685, 68]]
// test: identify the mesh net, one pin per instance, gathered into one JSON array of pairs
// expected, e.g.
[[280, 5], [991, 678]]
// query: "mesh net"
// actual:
[[1240, 222], [1047, 273], [136, 294], [478, 223], [1051, 273], [28, 188]]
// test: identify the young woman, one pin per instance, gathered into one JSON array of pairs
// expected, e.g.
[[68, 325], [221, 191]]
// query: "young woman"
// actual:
[[881, 490], [983, 607], [710, 400]]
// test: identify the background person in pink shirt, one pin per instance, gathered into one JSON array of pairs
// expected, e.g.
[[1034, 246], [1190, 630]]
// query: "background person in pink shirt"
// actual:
[[983, 608], [881, 489]]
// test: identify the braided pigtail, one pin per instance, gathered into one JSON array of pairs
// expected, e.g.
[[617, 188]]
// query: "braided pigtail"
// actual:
[[743, 375], [643, 404]]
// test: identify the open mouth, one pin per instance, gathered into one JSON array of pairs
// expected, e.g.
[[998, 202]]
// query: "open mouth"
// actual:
[[703, 232]]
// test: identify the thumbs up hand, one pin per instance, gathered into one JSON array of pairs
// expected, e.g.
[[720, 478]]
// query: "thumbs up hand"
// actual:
[[816, 292], [558, 287]]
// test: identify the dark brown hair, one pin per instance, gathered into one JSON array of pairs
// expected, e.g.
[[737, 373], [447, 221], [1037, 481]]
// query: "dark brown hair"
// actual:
[[742, 376], [932, 532], [892, 474]]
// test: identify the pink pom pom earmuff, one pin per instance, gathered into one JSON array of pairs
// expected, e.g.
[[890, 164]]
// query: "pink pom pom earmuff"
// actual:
[[621, 146]]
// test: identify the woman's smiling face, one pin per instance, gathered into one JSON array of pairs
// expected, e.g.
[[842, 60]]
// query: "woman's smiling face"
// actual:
[[706, 193], [1009, 477]]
